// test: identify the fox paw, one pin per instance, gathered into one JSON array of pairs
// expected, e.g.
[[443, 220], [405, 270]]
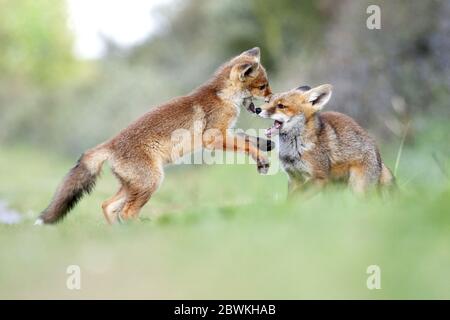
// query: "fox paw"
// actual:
[[263, 166]]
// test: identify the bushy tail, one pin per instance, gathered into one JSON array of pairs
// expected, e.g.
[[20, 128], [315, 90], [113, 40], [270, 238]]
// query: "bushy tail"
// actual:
[[79, 181]]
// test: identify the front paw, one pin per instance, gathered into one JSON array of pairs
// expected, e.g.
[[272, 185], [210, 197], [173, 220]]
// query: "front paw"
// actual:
[[263, 165]]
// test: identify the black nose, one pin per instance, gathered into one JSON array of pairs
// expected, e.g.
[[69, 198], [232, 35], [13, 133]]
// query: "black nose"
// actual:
[[258, 110]]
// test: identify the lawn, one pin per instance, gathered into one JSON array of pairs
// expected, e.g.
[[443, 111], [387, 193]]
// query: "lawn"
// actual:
[[223, 231]]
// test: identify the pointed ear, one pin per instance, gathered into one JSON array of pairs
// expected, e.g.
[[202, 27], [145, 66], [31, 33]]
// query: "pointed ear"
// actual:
[[303, 88], [255, 53], [319, 96], [246, 70]]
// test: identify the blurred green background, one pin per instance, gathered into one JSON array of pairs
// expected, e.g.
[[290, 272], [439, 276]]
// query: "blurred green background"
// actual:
[[224, 231]]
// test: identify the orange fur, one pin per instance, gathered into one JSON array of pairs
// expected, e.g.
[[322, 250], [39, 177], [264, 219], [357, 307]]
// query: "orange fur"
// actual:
[[320, 147], [138, 153]]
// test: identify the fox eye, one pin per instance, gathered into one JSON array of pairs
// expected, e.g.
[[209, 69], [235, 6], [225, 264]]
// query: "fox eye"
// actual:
[[281, 106], [262, 87]]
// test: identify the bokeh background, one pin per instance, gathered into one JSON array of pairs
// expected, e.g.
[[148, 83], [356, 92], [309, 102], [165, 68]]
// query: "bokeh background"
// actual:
[[52, 99], [73, 73]]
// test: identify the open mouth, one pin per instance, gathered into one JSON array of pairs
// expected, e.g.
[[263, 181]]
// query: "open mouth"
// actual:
[[249, 105], [277, 125]]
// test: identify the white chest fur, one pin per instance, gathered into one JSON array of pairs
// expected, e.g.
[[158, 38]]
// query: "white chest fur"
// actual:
[[291, 149], [236, 100]]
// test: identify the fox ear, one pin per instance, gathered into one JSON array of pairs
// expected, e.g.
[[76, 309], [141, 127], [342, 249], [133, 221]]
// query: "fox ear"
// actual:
[[319, 96], [255, 53], [303, 88], [246, 70]]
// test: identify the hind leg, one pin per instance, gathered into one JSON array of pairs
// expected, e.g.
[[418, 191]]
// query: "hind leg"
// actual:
[[139, 191], [362, 178], [114, 205]]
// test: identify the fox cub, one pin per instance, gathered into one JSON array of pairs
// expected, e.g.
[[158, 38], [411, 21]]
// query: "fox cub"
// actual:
[[316, 147], [138, 154]]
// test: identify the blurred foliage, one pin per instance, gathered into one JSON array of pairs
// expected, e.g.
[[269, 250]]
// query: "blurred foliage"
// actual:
[[384, 78], [35, 44], [227, 27]]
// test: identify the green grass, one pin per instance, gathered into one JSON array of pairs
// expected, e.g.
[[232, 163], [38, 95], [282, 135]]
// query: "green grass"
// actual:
[[223, 231]]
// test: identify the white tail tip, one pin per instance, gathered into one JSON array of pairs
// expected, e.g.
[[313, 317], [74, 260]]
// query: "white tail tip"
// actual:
[[39, 222]]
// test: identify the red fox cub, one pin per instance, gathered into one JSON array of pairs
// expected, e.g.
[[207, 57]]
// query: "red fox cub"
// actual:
[[138, 154], [316, 147]]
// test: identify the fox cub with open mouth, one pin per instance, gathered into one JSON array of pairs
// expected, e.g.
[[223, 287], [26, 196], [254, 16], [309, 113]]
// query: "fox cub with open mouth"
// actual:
[[316, 147]]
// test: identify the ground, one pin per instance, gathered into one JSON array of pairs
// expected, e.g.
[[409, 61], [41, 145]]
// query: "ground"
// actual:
[[223, 231]]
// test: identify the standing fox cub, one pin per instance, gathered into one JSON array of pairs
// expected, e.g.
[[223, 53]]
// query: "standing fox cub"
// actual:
[[316, 147], [139, 152]]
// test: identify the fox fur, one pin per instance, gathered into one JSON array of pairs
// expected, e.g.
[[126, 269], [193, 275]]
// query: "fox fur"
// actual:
[[138, 154], [317, 147]]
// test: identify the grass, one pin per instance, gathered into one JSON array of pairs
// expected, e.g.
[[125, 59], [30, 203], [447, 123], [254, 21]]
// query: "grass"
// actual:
[[223, 231]]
